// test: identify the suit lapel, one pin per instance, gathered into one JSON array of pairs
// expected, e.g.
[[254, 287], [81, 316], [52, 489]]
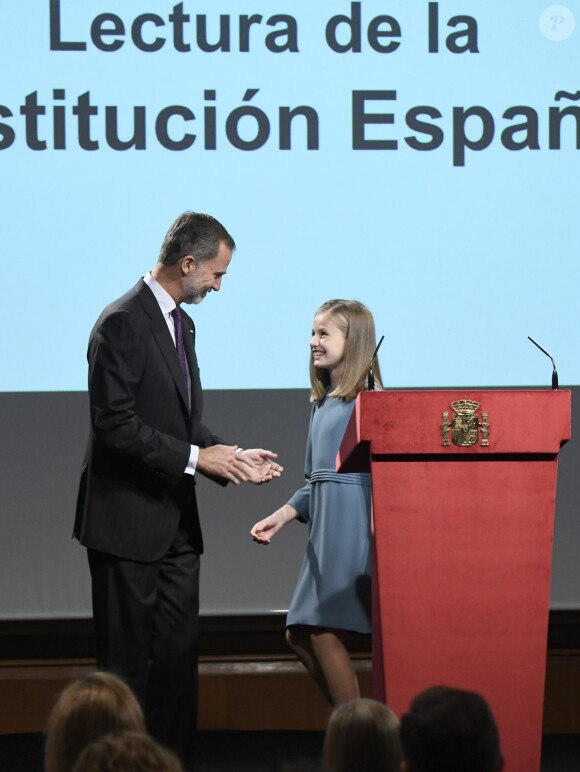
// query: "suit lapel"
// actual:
[[162, 337]]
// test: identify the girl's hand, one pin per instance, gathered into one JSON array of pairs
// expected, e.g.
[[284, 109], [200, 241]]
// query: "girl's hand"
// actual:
[[265, 529]]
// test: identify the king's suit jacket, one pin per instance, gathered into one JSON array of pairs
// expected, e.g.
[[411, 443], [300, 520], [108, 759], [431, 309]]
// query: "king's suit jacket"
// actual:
[[131, 495]]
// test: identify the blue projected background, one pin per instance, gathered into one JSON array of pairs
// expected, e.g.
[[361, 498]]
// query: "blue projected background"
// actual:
[[430, 169]]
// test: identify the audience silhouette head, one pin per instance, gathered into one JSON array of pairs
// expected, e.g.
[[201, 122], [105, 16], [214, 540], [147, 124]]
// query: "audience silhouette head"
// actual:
[[99, 704], [450, 730], [127, 752], [362, 734]]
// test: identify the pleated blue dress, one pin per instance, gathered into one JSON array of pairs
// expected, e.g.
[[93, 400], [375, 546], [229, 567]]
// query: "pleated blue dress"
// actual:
[[334, 585]]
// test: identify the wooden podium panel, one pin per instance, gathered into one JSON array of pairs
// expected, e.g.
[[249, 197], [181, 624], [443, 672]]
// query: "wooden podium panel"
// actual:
[[463, 549]]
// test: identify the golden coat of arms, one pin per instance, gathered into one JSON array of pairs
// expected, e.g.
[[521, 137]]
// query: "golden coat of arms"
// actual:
[[465, 424]]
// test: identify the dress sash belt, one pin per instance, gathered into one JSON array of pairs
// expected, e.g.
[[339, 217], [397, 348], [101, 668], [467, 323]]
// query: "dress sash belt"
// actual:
[[350, 478]]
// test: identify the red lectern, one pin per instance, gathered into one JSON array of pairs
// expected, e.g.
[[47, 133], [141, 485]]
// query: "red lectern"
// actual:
[[464, 488]]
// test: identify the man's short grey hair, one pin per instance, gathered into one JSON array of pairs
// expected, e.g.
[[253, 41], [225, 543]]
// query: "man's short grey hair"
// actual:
[[199, 235]]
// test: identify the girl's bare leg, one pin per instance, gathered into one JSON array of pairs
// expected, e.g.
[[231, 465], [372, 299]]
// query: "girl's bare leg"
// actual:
[[323, 653]]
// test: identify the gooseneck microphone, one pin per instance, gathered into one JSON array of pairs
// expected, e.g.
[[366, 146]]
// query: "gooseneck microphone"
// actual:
[[554, 371], [371, 375]]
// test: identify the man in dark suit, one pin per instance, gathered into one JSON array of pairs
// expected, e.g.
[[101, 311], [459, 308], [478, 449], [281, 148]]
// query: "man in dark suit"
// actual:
[[136, 511]]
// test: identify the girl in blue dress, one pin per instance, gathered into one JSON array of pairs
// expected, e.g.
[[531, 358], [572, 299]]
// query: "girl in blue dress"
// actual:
[[333, 593]]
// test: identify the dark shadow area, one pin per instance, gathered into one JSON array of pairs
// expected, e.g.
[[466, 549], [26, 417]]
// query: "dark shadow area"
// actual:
[[221, 751], [21, 752], [218, 751], [561, 753]]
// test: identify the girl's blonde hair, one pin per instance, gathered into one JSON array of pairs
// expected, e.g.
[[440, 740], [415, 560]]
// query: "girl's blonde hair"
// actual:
[[357, 324], [99, 704], [362, 734]]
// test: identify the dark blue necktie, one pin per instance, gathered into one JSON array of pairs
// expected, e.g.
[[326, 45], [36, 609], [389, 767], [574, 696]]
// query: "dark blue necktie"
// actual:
[[176, 314]]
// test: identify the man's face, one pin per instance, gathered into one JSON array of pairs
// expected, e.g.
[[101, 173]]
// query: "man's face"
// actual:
[[204, 276]]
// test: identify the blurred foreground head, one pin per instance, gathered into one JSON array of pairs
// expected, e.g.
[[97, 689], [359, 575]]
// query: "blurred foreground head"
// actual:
[[127, 752], [450, 730], [362, 735], [99, 704]]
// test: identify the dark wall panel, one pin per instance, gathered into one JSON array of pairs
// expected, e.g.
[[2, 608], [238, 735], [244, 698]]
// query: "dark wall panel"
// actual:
[[43, 572]]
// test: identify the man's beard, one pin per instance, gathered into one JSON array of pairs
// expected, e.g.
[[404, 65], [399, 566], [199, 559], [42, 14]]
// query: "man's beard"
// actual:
[[194, 295]]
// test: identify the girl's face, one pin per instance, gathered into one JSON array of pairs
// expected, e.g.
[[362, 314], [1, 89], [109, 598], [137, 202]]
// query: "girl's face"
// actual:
[[327, 345]]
